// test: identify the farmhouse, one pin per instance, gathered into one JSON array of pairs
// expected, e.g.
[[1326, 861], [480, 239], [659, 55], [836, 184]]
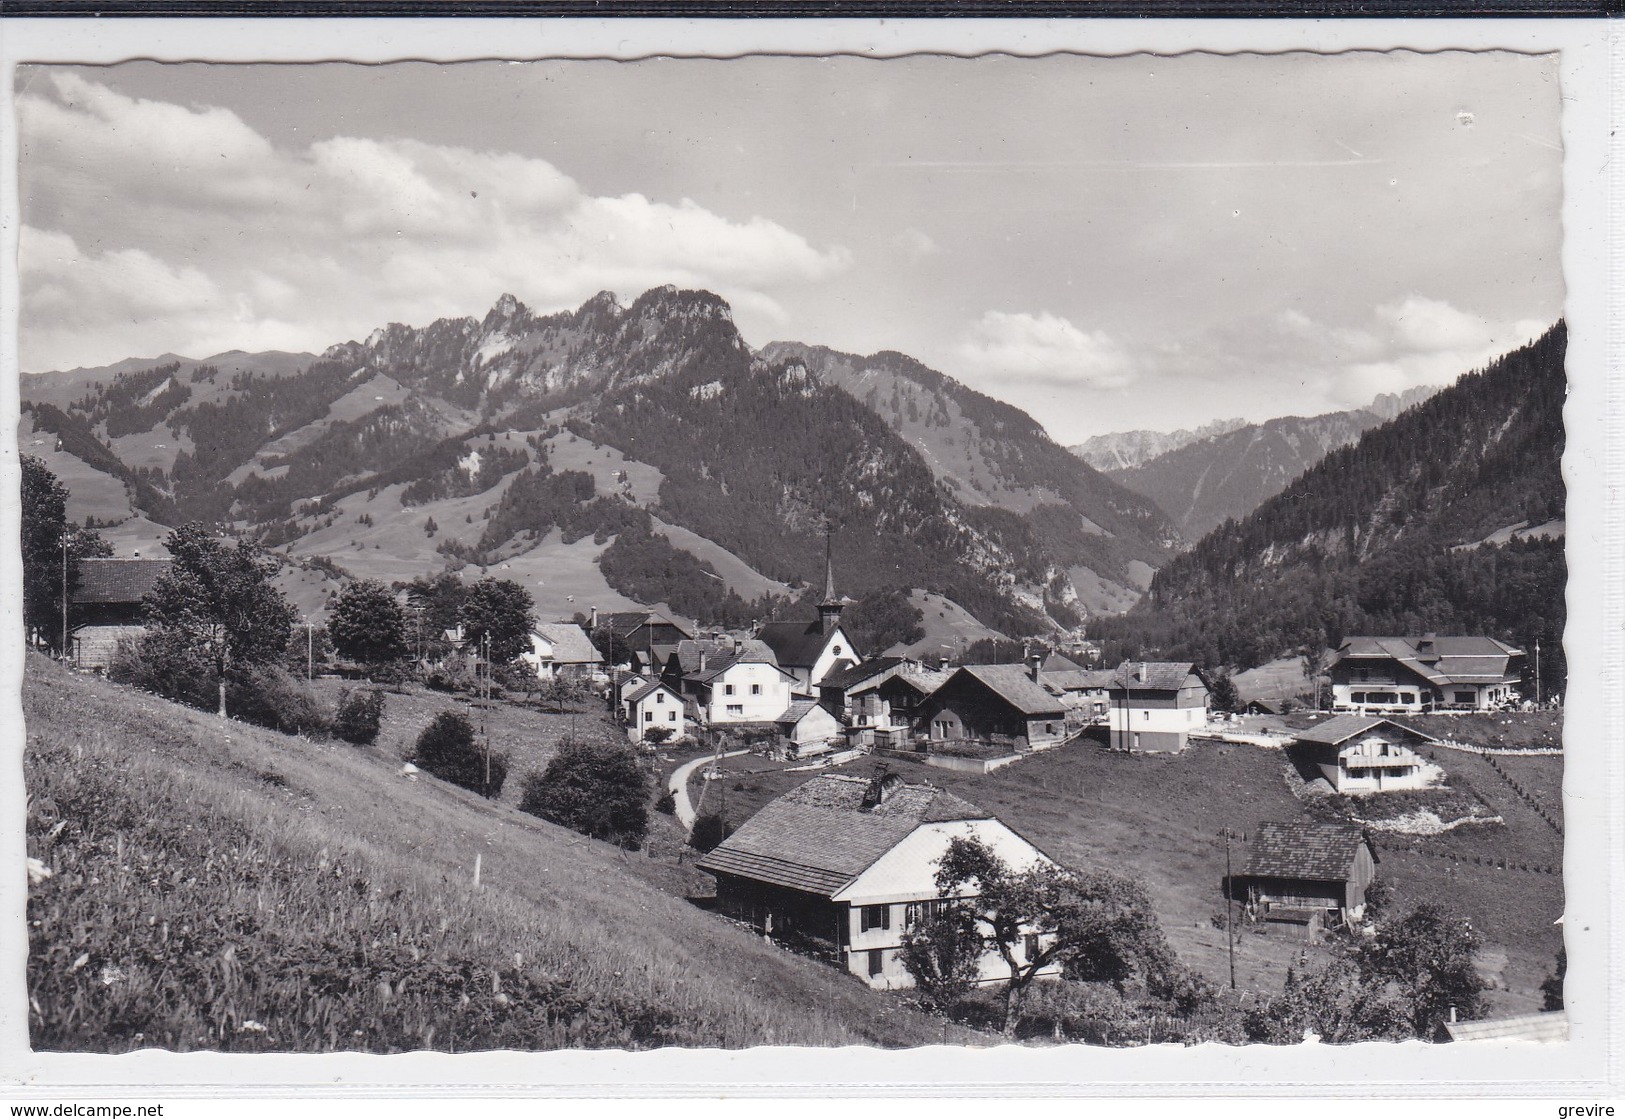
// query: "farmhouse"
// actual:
[[729, 681], [640, 631], [1155, 705], [1085, 692], [810, 651], [1303, 873], [993, 702], [849, 864], [1363, 755], [562, 650], [106, 605], [1407, 675], [654, 706]]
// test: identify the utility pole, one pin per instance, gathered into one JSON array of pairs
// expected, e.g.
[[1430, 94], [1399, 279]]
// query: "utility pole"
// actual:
[[1229, 906], [485, 702], [1537, 673], [64, 592], [310, 651]]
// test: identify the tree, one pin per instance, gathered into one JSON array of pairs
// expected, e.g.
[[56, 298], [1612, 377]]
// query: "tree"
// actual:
[[434, 606], [499, 609], [447, 749], [368, 625], [359, 716], [943, 953], [710, 829], [44, 527], [1097, 926], [1222, 695], [219, 602], [595, 788], [1427, 958]]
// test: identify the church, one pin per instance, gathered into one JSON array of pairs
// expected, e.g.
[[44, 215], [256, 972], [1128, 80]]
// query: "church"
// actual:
[[810, 651]]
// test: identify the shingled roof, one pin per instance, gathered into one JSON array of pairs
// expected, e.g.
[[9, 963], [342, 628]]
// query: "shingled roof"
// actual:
[[1339, 729], [1440, 660], [1011, 683], [1320, 852], [1149, 676], [623, 622], [858, 673], [570, 642], [118, 580], [819, 836]]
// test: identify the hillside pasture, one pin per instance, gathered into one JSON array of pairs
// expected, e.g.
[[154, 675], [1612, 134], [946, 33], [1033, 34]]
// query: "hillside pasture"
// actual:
[[948, 626], [1161, 818], [218, 886]]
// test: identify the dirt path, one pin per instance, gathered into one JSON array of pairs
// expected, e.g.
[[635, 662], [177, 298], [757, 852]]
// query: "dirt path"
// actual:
[[678, 785]]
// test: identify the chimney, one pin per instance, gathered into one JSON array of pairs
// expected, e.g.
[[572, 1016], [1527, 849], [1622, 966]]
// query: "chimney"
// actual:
[[1141, 670], [1034, 662], [592, 618], [136, 554], [881, 786]]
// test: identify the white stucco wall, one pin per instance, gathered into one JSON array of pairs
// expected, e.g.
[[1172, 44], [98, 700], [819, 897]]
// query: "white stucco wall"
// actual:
[[760, 694]]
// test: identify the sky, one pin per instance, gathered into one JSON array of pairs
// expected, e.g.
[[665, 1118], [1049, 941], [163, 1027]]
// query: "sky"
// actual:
[[1109, 243]]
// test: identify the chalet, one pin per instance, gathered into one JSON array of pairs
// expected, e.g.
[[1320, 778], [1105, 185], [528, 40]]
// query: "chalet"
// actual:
[[806, 725], [848, 865], [1408, 675], [1302, 873], [562, 650], [641, 630], [810, 651], [729, 681], [106, 605], [1363, 755], [654, 706], [1155, 705], [991, 702]]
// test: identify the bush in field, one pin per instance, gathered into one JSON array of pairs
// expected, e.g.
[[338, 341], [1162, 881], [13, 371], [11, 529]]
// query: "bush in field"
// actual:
[[447, 749], [273, 697], [709, 830], [666, 804], [359, 715], [656, 736], [263, 694], [595, 788]]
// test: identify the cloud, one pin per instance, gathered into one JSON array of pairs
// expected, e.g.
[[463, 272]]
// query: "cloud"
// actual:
[[215, 238], [1044, 348]]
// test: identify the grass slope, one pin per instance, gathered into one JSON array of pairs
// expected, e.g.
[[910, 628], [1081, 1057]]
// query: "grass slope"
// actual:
[[216, 886], [1162, 817]]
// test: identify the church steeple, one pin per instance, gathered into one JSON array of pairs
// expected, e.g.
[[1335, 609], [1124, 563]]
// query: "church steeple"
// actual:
[[830, 607]]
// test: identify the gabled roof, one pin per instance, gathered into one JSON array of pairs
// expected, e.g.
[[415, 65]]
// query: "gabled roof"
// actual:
[[1011, 683], [858, 673], [570, 642], [800, 707], [122, 581], [1083, 679], [624, 622], [1154, 676], [795, 644], [819, 837], [1439, 660], [1055, 662], [1548, 1025], [1339, 729], [650, 689], [714, 651], [1319, 852]]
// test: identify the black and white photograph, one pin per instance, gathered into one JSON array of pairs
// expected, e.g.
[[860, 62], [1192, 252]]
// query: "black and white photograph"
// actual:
[[569, 553]]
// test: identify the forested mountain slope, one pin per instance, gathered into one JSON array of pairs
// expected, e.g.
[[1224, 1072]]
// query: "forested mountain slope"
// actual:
[[1384, 536]]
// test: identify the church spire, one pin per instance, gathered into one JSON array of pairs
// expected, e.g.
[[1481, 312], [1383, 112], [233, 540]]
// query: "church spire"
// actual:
[[829, 609]]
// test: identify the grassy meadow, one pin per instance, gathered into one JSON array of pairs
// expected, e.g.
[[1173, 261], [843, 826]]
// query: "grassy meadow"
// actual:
[[218, 886], [1162, 817]]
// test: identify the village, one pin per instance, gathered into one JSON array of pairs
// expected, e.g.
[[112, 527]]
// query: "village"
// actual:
[[813, 791]]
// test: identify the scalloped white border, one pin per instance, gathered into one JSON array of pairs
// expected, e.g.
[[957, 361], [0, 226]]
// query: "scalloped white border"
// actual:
[[1588, 1066]]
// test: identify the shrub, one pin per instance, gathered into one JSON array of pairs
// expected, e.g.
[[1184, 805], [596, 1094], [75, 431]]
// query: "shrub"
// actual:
[[709, 830], [274, 697], [655, 736], [358, 717], [595, 788], [667, 804], [447, 749]]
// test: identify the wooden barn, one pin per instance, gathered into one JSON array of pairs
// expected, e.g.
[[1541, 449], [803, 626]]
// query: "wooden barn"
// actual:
[[846, 864], [1307, 872], [106, 605], [989, 702]]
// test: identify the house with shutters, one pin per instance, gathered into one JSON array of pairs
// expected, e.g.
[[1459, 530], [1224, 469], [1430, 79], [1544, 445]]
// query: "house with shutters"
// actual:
[[105, 606], [880, 698], [654, 706], [729, 681], [994, 703], [562, 650], [1357, 754], [1307, 873], [1411, 675], [848, 864], [810, 651], [1155, 705]]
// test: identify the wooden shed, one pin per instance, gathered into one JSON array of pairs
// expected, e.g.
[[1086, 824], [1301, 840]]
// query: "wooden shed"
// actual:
[[1297, 870]]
